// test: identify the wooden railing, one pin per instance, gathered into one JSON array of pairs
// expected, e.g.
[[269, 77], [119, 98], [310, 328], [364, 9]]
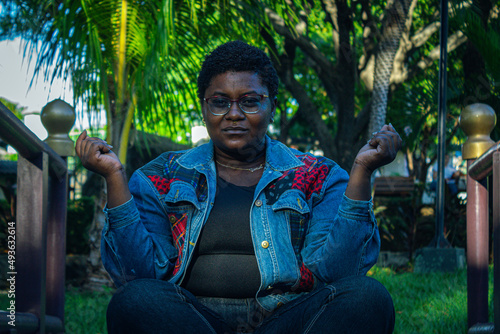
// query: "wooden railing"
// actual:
[[488, 165], [37, 239], [483, 160]]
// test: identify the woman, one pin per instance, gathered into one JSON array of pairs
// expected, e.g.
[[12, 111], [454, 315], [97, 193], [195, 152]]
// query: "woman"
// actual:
[[242, 234]]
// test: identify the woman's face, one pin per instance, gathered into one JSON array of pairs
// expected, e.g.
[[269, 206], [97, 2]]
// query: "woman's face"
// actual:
[[237, 134]]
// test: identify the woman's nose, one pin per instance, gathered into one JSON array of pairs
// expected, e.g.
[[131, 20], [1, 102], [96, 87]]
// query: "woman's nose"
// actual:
[[235, 111]]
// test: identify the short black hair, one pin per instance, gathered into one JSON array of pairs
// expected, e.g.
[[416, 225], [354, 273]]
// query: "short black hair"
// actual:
[[238, 56]]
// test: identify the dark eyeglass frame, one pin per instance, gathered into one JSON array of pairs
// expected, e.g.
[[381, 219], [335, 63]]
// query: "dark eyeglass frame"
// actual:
[[231, 101]]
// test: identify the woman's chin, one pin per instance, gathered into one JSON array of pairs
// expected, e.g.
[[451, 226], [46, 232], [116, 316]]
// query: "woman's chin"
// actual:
[[239, 149]]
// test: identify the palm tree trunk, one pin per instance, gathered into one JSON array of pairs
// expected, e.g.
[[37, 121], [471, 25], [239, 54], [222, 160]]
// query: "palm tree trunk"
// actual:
[[392, 30], [118, 134]]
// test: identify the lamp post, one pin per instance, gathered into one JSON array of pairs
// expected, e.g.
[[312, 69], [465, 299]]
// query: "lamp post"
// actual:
[[439, 241]]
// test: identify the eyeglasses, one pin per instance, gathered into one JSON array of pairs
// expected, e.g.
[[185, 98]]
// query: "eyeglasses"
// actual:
[[249, 104]]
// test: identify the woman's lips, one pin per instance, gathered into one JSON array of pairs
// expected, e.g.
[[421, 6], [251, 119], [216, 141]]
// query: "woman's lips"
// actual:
[[234, 130]]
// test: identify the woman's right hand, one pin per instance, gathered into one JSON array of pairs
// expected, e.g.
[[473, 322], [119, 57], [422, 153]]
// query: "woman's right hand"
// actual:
[[96, 155]]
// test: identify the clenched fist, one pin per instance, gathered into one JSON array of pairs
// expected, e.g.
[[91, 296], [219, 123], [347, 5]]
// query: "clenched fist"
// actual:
[[96, 155], [380, 150]]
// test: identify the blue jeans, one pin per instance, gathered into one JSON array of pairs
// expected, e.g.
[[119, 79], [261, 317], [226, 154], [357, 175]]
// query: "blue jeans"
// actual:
[[356, 304]]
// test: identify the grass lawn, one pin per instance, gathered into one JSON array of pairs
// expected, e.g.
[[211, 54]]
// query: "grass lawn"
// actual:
[[429, 303], [424, 303]]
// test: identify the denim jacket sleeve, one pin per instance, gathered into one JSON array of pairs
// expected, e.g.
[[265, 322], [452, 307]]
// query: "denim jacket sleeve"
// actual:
[[136, 241], [343, 238]]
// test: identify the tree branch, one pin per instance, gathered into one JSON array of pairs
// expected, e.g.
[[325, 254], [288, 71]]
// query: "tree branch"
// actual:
[[347, 72], [370, 34], [306, 45], [308, 112], [362, 120], [454, 41], [330, 7], [421, 36], [320, 63]]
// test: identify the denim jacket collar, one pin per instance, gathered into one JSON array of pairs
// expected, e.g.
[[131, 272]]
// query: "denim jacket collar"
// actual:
[[278, 157]]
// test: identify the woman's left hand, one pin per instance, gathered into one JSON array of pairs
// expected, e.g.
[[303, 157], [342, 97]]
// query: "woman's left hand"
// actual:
[[380, 150]]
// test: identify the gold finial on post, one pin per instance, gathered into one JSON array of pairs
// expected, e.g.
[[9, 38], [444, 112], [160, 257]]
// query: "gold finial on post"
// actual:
[[58, 118], [477, 121]]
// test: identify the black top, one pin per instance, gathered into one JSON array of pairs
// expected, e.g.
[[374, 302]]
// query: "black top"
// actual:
[[223, 263]]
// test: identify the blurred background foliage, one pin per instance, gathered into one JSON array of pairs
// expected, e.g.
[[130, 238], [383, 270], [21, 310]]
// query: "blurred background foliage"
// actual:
[[138, 61]]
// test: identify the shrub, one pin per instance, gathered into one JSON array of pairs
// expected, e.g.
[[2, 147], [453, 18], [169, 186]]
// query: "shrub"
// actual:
[[406, 225], [80, 215]]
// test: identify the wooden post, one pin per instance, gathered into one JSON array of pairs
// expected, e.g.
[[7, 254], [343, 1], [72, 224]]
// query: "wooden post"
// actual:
[[477, 250], [477, 121], [31, 235], [58, 118], [37, 239], [496, 240]]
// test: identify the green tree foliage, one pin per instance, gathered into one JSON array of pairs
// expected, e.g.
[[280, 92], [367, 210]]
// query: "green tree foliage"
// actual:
[[118, 55], [413, 108], [479, 21], [325, 52], [326, 59], [138, 61], [414, 105], [14, 107]]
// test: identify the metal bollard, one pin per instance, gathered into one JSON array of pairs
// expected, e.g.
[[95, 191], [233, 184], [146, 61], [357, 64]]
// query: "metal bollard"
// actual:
[[477, 121]]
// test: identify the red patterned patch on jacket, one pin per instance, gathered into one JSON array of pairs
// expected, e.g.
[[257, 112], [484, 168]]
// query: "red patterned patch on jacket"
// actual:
[[306, 279], [310, 178], [161, 184], [178, 224]]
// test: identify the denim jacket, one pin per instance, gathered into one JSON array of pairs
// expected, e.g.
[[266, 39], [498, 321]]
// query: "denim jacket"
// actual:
[[305, 231]]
